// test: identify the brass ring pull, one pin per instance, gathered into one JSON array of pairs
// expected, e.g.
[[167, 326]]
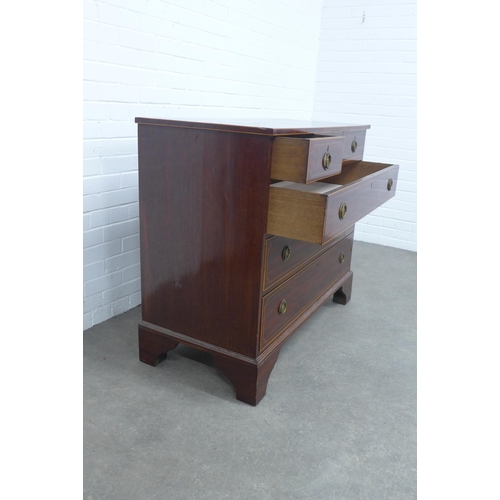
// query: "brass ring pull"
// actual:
[[327, 160], [282, 307], [354, 145], [341, 258], [285, 253], [389, 184], [342, 210]]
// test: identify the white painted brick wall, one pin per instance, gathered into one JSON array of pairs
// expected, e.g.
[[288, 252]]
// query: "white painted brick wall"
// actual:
[[367, 74], [219, 58], [181, 58]]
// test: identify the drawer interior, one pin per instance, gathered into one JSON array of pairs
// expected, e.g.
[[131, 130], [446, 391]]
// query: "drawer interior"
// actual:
[[354, 171], [351, 172], [309, 136]]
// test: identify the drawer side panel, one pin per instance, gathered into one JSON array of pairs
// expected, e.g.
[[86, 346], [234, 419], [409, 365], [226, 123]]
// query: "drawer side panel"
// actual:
[[295, 214]]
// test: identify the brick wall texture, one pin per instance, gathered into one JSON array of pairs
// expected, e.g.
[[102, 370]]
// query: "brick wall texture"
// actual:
[[200, 59]]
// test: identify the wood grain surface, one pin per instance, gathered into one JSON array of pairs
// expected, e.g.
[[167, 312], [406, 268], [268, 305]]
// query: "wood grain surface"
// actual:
[[300, 159], [303, 289], [202, 233], [276, 269], [311, 213]]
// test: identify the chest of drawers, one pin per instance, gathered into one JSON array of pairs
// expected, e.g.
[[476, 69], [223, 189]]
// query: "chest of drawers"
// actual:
[[245, 230]]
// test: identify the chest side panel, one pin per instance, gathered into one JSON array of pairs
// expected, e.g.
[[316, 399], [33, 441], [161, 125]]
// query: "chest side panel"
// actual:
[[203, 198]]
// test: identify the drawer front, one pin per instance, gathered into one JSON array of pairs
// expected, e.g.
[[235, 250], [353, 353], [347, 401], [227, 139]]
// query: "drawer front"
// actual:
[[288, 301], [285, 256], [350, 203], [306, 159], [319, 212], [354, 145]]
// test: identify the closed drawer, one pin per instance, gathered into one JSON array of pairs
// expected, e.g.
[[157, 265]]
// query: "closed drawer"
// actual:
[[287, 302], [285, 256], [354, 145], [306, 159], [319, 212]]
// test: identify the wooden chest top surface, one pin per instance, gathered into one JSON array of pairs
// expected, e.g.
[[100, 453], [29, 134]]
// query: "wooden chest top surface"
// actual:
[[269, 126]]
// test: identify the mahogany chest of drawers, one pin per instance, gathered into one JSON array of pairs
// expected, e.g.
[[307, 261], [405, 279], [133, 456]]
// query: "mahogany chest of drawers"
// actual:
[[245, 230]]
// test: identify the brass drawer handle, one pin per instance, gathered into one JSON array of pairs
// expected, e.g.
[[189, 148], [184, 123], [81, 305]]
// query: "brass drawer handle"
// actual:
[[282, 307], [354, 145], [389, 184], [285, 253], [342, 211], [341, 258], [327, 160]]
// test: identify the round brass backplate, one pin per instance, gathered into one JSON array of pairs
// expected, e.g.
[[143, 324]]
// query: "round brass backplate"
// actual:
[[282, 307], [285, 253], [354, 145], [342, 210], [327, 160], [389, 184]]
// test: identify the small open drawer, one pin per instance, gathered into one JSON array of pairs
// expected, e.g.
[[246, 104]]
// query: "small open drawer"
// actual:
[[320, 211], [306, 158]]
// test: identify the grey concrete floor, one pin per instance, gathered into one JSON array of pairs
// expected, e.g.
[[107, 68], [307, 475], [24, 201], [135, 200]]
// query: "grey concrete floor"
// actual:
[[338, 421]]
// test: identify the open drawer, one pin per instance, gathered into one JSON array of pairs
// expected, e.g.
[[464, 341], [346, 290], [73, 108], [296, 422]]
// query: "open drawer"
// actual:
[[320, 211], [306, 158]]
